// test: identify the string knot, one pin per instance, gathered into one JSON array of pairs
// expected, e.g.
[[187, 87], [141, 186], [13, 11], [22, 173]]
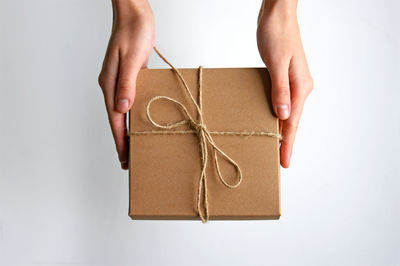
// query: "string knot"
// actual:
[[198, 127]]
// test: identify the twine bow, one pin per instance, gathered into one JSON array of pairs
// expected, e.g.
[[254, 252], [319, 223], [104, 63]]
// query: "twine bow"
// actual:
[[204, 136]]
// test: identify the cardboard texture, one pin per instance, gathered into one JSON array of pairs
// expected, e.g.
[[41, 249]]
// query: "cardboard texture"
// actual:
[[164, 170]]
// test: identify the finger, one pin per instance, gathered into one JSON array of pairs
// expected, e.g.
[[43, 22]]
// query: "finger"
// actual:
[[119, 130], [289, 129], [108, 82], [280, 91], [128, 70]]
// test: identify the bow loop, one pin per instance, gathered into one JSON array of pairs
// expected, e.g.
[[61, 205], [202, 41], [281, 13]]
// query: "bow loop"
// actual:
[[172, 124]]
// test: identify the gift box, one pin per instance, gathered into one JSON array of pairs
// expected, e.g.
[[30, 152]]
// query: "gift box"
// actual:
[[204, 144]]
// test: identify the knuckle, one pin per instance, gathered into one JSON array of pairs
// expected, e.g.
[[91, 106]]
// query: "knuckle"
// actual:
[[114, 120], [291, 128], [124, 85], [100, 80], [306, 86], [282, 91], [291, 125], [309, 84]]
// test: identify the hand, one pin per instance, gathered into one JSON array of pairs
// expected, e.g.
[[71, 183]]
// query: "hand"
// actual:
[[281, 49], [130, 45]]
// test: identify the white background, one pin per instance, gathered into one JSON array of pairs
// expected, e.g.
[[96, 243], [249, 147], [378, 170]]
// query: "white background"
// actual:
[[64, 199]]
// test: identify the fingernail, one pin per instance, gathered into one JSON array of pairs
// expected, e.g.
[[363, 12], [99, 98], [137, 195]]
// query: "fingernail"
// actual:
[[123, 105], [283, 111], [124, 165]]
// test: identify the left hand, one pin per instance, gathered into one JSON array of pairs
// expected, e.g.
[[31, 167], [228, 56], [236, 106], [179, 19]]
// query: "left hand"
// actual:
[[281, 49]]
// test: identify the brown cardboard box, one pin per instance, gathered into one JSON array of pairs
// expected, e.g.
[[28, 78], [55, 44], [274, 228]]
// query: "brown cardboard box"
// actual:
[[165, 169]]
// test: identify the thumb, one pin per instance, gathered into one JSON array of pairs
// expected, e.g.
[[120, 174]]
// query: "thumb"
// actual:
[[280, 92], [126, 87]]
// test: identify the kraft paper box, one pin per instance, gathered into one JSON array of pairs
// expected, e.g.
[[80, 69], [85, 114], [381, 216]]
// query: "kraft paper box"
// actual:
[[165, 169]]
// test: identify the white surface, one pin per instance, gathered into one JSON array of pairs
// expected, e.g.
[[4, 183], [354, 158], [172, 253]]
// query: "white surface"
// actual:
[[64, 199]]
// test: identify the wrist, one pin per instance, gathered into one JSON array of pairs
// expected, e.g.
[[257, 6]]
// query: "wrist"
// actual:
[[128, 10], [278, 9]]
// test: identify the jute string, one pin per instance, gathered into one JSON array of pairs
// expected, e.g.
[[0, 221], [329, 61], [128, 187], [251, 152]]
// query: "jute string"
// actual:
[[204, 137]]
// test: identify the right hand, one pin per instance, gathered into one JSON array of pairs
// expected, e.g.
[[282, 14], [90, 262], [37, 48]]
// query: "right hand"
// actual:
[[131, 42], [281, 48]]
